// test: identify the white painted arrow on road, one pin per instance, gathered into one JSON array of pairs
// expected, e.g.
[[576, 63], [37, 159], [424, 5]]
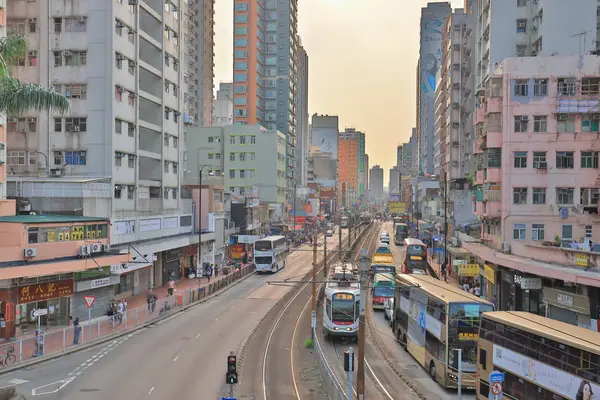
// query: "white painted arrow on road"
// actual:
[[50, 388], [14, 382]]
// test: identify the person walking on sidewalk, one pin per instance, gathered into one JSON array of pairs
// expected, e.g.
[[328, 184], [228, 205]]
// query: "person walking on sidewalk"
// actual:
[[76, 331], [120, 309], [154, 300], [149, 297], [443, 269]]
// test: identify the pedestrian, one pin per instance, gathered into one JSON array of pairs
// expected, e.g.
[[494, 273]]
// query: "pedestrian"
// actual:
[[208, 272], [216, 270], [149, 296], [154, 300], [477, 290], [76, 331], [444, 268], [125, 308], [120, 309]]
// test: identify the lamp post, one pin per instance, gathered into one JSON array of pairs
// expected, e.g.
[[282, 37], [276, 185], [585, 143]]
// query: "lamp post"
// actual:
[[211, 173]]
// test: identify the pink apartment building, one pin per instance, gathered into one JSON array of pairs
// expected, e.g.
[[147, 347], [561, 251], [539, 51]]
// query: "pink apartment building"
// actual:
[[538, 144]]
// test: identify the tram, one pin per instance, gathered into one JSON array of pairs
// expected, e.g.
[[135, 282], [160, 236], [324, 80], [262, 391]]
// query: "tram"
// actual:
[[341, 305]]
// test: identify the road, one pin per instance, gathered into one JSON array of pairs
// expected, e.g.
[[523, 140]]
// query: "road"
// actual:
[[401, 359], [182, 357]]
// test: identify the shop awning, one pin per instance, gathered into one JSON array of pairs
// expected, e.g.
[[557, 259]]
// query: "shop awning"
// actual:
[[569, 274], [61, 267]]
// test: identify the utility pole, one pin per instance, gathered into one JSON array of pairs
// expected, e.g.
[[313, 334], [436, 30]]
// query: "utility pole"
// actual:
[[325, 259], [314, 281], [340, 257], [445, 220], [362, 326]]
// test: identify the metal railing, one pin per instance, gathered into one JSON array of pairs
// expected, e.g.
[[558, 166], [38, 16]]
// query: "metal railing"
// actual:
[[333, 386], [24, 350]]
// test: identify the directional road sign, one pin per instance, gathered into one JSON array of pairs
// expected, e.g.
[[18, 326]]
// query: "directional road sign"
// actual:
[[89, 300], [496, 388], [496, 376], [39, 312]]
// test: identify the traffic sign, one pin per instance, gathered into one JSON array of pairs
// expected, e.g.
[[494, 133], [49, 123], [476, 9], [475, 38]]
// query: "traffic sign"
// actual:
[[496, 388], [39, 312], [496, 376], [89, 300], [313, 319], [228, 398]]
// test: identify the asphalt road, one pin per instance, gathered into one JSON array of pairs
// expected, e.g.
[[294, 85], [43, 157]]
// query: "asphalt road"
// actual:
[[183, 357], [402, 360]]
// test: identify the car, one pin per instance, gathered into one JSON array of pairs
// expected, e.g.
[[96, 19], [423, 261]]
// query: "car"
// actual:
[[388, 310], [329, 233], [385, 240]]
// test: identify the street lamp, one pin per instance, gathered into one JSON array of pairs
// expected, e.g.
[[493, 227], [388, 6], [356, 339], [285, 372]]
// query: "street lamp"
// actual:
[[210, 173]]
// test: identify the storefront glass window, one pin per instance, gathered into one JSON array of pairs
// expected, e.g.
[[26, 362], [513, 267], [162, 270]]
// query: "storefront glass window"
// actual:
[[126, 284]]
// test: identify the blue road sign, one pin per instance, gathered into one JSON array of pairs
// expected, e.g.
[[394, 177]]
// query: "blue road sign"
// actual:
[[496, 377], [228, 398]]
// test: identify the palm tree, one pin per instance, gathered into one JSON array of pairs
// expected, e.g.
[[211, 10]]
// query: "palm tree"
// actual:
[[17, 97]]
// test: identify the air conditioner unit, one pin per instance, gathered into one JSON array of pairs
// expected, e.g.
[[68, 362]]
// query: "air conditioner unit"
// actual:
[[32, 21], [132, 63], [81, 19], [74, 128], [596, 117], [84, 251], [562, 117], [120, 25], [106, 248], [455, 125], [133, 2], [456, 46], [121, 90], [55, 172], [120, 57], [67, 53], [31, 120], [32, 54], [96, 248], [455, 143], [29, 252], [130, 31], [542, 165]]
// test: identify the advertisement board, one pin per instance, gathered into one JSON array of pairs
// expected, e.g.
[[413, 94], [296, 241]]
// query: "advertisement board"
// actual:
[[397, 207]]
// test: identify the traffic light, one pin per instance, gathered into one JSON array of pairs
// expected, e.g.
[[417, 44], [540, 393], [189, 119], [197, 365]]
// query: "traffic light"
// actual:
[[231, 377]]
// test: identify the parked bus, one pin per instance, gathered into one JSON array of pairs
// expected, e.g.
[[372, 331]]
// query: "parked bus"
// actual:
[[400, 233], [341, 307], [344, 222], [270, 253], [383, 286], [415, 257], [432, 319], [540, 358]]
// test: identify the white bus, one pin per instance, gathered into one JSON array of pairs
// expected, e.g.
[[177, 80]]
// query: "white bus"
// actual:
[[342, 303], [270, 253]]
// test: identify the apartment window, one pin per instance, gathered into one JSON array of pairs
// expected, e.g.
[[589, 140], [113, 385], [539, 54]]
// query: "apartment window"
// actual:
[[565, 123], [232, 173], [539, 159], [567, 86], [75, 58], [76, 124], [589, 196], [76, 91], [241, 18], [521, 87], [131, 67], [588, 231], [131, 161], [155, 192], [242, 173], [539, 196], [242, 139], [589, 159], [130, 192], [241, 77], [131, 99], [537, 232], [241, 89], [565, 159], [519, 231], [252, 139], [76, 24], [118, 191], [520, 195], [567, 232], [32, 58], [58, 158], [118, 126], [540, 123], [241, 42], [521, 123], [57, 124], [118, 159], [241, 30], [521, 50], [211, 156], [590, 86], [241, 66], [565, 196], [217, 157], [119, 93], [252, 156], [175, 142], [166, 167], [589, 123], [521, 3], [520, 159], [57, 25], [240, 101], [540, 87], [76, 157], [16, 157], [231, 139], [521, 25], [130, 129], [231, 156], [166, 140], [175, 167], [57, 58]]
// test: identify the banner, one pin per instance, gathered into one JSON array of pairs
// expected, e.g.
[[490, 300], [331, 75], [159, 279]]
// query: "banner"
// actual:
[[397, 207]]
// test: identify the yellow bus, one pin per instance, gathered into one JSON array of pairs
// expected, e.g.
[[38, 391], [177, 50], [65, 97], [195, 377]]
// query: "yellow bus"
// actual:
[[432, 319], [539, 358]]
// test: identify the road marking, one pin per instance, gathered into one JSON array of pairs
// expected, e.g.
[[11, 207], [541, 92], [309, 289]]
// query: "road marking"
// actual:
[[14, 382], [231, 307], [58, 384], [151, 390], [216, 319], [176, 358], [389, 396], [197, 336]]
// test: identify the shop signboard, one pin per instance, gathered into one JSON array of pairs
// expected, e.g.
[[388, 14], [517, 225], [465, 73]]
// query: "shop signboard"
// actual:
[[531, 283], [468, 270], [582, 260], [45, 291], [490, 274]]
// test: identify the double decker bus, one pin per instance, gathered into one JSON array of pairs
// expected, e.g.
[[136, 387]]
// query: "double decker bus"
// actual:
[[384, 283], [341, 307], [270, 253], [415, 257], [540, 358], [432, 319], [400, 234]]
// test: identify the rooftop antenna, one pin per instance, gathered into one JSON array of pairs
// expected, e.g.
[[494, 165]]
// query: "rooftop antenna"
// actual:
[[582, 35]]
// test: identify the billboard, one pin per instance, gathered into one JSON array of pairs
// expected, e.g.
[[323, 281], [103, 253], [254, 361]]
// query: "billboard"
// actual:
[[326, 193], [325, 171], [397, 207], [326, 140]]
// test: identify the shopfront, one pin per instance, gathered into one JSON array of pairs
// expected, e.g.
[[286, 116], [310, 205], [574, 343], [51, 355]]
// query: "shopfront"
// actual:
[[172, 265], [567, 307], [53, 295], [132, 278], [457, 256], [520, 292], [101, 285], [488, 284], [467, 273]]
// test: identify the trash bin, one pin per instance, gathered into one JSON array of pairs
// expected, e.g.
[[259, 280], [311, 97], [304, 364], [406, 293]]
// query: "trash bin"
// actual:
[[180, 299]]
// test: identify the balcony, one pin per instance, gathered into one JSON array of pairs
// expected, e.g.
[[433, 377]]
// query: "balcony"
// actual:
[[494, 105], [479, 209], [477, 145], [492, 209], [493, 139], [492, 175], [479, 115]]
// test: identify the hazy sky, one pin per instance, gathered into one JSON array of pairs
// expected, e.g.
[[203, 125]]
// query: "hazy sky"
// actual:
[[362, 65]]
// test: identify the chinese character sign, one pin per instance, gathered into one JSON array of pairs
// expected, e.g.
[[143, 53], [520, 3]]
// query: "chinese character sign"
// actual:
[[45, 291]]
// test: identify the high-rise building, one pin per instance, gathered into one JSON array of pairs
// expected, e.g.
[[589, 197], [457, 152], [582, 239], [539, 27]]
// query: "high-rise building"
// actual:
[[222, 113], [303, 126], [367, 175], [266, 70], [430, 52], [200, 55], [399, 153], [394, 183], [324, 138], [351, 164], [376, 182], [121, 66], [408, 164]]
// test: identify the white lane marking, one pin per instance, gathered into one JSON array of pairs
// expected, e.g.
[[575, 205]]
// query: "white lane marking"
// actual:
[[14, 382], [216, 319], [197, 336], [151, 390], [176, 358], [61, 384], [389, 396]]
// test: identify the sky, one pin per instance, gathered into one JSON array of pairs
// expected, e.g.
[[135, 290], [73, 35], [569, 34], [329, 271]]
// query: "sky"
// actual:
[[362, 65]]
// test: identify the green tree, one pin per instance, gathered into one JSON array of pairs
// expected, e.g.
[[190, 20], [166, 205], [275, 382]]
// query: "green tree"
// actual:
[[17, 97]]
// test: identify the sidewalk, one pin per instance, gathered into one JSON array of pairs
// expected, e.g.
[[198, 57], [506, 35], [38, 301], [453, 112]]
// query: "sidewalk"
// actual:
[[438, 270], [58, 339]]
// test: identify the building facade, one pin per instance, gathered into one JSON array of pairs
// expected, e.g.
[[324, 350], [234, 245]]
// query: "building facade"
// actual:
[[223, 105], [394, 182], [430, 52], [537, 193], [303, 125], [324, 149], [266, 70], [376, 183]]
